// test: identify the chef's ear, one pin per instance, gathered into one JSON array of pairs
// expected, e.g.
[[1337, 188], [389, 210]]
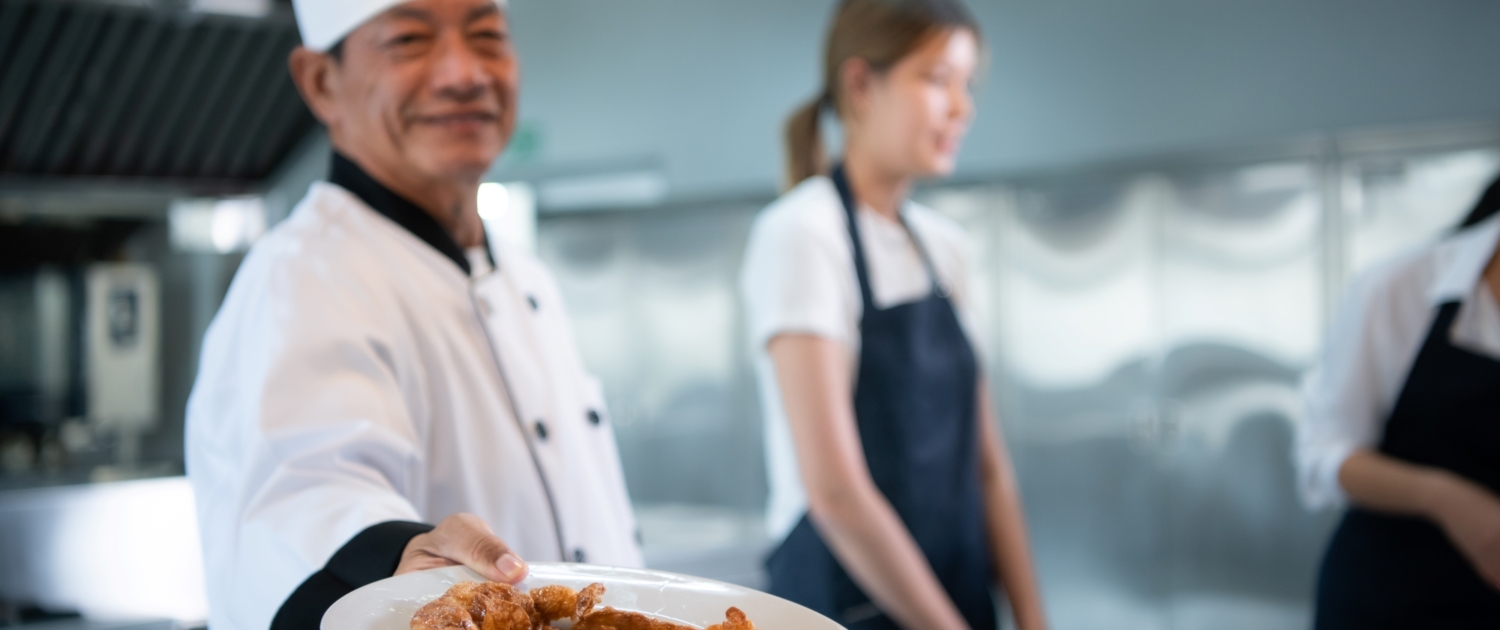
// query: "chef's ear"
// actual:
[[313, 73]]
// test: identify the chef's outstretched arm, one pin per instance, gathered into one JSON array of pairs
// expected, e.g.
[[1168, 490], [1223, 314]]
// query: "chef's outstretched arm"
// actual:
[[394, 548], [306, 447]]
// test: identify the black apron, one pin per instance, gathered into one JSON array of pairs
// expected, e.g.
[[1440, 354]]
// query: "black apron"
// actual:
[[915, 404], [1384, 571]]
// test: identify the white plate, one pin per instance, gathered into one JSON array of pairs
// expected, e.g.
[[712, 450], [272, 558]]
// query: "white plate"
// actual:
[[389, 603]]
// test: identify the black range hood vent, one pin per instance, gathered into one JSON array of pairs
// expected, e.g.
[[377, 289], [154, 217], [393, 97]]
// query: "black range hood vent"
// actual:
[[145, 93]]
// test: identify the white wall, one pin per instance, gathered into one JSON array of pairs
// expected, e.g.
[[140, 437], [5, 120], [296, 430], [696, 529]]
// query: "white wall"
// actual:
[[700, 86]]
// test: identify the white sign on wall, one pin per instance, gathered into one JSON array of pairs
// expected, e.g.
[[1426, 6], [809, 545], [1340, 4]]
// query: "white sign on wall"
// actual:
[[122, 346]]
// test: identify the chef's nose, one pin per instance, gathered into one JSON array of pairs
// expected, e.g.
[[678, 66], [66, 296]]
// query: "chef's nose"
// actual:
[[457, 71]]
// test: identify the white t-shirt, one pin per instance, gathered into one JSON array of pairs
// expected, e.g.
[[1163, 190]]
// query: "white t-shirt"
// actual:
[[798, 277], [1373, 342]]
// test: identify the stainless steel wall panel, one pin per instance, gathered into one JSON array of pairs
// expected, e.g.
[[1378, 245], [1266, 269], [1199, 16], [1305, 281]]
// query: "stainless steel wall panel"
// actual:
[[654, 301], [1076, 325], [1241, 309], [1395, 201]]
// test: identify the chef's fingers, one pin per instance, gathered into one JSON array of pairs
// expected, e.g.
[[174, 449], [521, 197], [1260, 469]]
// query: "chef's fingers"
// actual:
[[417, 560], [1490, 567], [466, 539]]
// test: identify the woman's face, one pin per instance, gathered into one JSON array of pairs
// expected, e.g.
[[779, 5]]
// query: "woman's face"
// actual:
[[912, 118]]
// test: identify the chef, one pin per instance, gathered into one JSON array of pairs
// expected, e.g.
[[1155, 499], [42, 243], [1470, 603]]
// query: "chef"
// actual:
[[381, 391]]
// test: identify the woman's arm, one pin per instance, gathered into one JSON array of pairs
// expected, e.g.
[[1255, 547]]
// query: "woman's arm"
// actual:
[[854, 518], [1007, 521], [1468, 512]]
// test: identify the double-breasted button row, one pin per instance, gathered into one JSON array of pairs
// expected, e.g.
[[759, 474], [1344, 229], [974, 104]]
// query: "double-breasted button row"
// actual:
[[540, 426]]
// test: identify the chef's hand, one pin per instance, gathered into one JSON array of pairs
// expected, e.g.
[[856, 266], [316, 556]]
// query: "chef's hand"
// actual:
[[1470, 515], [467, 540]]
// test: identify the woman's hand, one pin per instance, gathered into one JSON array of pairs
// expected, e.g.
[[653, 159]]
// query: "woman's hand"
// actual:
[[856, 521], [1470, 515], [1466, 511]]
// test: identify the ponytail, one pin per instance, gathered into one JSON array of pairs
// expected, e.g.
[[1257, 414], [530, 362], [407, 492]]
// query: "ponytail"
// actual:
[[1486, 207], [805, 156]]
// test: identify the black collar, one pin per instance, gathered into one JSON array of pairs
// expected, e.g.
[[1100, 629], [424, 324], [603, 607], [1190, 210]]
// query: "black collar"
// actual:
[[345, 174]]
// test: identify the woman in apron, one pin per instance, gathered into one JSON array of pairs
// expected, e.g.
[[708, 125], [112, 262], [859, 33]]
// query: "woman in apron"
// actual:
[[891, 492], [1404, 424]]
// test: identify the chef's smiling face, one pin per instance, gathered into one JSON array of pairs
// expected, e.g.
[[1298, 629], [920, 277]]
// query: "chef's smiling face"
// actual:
[[428, 87]]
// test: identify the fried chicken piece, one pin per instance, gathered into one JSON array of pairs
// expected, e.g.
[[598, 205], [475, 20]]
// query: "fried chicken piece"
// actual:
[[506, 607], [504, 615], [494, 606], [443, 613], [478, 606], [462, 593], [588, 598], [734, 619], [554, 602], [611, 619]]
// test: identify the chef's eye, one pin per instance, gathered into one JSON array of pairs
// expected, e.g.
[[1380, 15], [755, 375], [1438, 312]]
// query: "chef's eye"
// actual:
[[488, 42], [405, 42]]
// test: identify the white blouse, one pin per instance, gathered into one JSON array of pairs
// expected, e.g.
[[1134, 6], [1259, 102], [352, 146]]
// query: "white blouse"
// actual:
[[798, 277], [1373, 342]]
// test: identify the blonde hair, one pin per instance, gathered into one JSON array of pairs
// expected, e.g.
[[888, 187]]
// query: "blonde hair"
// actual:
[[882, 33]]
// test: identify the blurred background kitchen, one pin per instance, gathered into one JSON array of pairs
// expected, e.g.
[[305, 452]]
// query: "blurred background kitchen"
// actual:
[[1167, 197]]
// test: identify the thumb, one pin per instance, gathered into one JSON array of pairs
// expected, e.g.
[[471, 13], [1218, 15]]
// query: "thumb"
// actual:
[[466, 539]]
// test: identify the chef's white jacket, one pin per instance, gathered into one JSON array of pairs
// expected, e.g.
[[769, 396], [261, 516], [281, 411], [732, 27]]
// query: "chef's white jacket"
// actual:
[[1373, 342], [355, 375]]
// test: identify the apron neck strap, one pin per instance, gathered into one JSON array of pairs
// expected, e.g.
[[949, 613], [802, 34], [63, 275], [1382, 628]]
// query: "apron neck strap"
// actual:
[[861, 268], [846, 195]]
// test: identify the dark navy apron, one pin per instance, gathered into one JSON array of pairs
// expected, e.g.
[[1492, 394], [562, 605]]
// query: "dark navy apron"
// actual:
[[915, 404], [1384, 571]]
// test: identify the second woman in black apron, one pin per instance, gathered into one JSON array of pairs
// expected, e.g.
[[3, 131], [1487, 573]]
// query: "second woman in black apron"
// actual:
[[1420, 547]]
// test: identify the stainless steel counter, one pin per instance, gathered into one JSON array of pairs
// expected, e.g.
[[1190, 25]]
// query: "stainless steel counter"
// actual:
[[115, 552]]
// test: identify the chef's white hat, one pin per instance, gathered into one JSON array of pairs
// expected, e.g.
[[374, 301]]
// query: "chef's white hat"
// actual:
[[324, 22]]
